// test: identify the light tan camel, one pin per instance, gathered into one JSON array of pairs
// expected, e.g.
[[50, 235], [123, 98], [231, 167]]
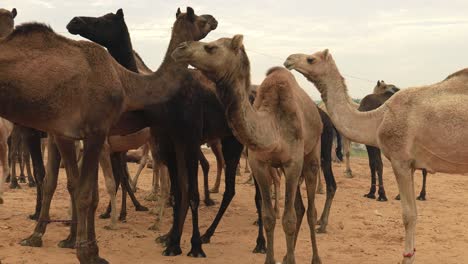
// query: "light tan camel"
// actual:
[[5, 130], [35, 77], [416, 128], [282, 130]]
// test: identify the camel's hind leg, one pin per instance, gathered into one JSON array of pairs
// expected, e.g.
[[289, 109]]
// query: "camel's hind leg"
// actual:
[[261, 172], [422, 194], [104, 160], [310, 172], [217, 151], [404, 176], [141, 166]]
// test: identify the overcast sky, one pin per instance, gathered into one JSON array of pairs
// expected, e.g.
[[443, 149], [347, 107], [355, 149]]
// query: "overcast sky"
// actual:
[[407, 43]]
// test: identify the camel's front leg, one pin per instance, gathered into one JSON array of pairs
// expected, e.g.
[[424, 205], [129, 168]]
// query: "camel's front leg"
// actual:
[[404, 176], [347, 152], [104, 160]]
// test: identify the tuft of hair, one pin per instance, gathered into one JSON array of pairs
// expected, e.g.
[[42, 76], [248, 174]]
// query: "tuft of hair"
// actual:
[[273, 69], [28, 28]]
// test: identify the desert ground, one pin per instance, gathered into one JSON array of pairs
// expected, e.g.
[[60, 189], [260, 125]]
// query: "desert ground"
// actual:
[[360, 230]]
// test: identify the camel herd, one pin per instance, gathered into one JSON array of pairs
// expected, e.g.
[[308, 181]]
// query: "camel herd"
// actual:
[[60, 90]]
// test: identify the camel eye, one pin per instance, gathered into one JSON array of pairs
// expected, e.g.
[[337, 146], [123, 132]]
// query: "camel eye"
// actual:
[[209, 48], [310, 60]]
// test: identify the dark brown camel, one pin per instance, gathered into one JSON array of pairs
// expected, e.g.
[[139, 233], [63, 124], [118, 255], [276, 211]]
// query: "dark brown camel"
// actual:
[[110, 29], [382, 92]]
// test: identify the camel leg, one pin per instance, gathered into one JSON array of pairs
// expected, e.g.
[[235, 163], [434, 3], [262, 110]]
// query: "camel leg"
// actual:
[[8, 177], [320, 185], [372, 165], [86, 199], [326, 168], [310, 171], [379, 166], [114, 158], [260, 248], [206, 169], [157, 165], [165, 189], [247, 167], [277, 185], [347, 152], [261, 173], [292, 174], [14, 158], [123, 207], [191, 159], [126, 185], [67, 152], [49, 184], [21, 161], [339, 145], [104, 160], [300, 211], [422, 194], [34, 142], [4, 161], [232, 150], [218, 152], [404, 176], [141, 166]]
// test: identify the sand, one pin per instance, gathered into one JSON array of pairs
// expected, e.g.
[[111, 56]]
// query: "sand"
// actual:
[[360, 230]]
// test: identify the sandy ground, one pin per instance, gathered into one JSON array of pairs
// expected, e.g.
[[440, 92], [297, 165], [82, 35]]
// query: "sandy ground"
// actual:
[[360, 230]]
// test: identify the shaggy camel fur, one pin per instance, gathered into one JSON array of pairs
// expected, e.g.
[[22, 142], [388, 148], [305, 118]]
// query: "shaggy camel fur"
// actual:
[[414, 129], [30, 81], [282, 129], [5, 130]]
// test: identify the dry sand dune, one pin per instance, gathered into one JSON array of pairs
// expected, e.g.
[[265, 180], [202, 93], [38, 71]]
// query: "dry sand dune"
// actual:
[[360, 230]]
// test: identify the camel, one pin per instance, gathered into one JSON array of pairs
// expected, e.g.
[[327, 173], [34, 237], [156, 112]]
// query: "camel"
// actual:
[[414, 129], [5, 130], [282, 130], [30, 83]]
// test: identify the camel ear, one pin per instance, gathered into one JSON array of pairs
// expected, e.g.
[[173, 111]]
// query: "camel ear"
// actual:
[[325, 54], [378, 83], [178, 13], [13, 12], [237, 42], [120, 13], [191, 14]]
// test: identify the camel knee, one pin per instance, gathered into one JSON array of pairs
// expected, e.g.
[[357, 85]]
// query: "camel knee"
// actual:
[[289, 223], [269, 221]]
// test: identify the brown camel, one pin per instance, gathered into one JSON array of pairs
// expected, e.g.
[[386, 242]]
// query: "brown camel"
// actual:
[[30, 81], [414, 129], [282, 130]]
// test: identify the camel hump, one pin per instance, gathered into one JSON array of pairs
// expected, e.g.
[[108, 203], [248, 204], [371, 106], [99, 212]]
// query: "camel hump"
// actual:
[[274, 69], [463, 72], [29, 28]]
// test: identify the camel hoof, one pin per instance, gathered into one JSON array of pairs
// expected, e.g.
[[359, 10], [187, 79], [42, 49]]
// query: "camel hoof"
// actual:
[[164, 239], [260, 248], [349, 174], [209, 202], [22, 179], [152, 197], [420, 198], [205, 239], [397, 198], [123, 218], [370, 195], [104, 216], [14, 185], [321, 230], [67, 243], [32, 241], [197, 253], [141, 208], [382, 199], [172, 251], [214, 190]]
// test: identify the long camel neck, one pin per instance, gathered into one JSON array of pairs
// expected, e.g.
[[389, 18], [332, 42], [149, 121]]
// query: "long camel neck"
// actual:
[[162, 84], [253, 129], [122, 51], [358, 126]]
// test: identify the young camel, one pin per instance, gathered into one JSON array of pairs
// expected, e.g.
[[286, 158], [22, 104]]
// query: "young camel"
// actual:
[[282, 129], [414, 129], [31, 80]]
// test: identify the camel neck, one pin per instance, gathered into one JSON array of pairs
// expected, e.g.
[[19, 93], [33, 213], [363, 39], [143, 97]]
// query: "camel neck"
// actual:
[[169, 62], [358, 126], [251, 128], [122, 52]]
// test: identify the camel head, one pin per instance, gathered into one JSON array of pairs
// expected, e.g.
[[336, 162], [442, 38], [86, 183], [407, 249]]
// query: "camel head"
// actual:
[[217, 59], [7, 22], [382, 87], [311, 66], [110, 28], [192, 26]]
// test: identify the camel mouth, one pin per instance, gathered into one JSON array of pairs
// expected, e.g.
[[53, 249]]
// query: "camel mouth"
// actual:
[[75, 25], [288, 64]]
